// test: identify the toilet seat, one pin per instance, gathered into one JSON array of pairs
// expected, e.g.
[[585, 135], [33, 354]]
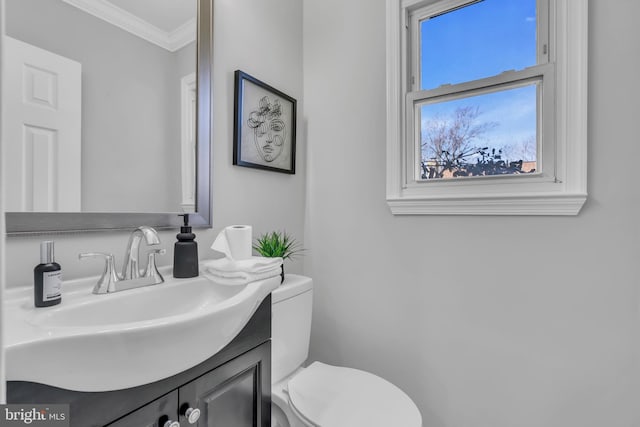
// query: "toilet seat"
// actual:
[[330, 396]]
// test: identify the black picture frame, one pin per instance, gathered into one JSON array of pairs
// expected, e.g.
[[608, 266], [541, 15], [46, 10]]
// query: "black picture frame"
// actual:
[[264, 131]]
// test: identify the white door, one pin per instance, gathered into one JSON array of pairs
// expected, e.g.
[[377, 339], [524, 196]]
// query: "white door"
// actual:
[[41, 129]]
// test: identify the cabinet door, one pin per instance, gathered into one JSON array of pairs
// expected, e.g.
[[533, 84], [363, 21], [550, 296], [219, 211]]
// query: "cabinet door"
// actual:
[[154, 414], [236, 394]]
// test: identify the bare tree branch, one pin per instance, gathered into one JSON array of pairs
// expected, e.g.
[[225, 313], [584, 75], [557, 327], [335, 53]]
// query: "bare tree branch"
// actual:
[[453, 144]]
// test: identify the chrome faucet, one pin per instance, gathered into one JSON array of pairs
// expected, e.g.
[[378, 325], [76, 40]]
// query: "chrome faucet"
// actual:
[[130, 268], [131, 277]]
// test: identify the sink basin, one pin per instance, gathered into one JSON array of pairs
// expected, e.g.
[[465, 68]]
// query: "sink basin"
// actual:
[[150, 303], [124, 339]]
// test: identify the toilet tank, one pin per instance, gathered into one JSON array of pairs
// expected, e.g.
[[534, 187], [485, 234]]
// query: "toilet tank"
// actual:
[[290, 325]]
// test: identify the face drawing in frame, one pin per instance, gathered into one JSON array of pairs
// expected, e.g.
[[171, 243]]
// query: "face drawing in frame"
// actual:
[[269, 130]]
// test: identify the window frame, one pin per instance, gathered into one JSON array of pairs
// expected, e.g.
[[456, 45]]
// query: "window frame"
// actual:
[[560, 187]]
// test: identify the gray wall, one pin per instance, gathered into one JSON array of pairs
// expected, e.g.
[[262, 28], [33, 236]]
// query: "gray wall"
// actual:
[[484, 321], [130, 100]]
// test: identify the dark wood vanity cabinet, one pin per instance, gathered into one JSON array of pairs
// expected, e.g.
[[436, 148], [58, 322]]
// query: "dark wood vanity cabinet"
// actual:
[[231, 389], [154, 414], [234, 394]]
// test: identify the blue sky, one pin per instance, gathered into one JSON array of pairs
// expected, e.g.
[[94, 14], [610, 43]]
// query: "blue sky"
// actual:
[[478, 41]]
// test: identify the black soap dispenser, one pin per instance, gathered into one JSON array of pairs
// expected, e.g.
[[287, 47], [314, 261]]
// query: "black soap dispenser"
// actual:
[[185, 252]]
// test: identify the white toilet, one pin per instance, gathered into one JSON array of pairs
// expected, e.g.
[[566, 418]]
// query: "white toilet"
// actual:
[[322, 395]]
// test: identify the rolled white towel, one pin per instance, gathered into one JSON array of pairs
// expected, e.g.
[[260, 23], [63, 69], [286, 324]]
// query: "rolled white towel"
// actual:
[[255, 265], [238, 278]]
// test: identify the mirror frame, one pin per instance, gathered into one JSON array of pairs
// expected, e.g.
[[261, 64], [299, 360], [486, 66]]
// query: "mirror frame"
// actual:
[[45, 222]]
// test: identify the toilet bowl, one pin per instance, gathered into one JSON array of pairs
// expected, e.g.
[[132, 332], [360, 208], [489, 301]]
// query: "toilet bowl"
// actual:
[[320, 394]]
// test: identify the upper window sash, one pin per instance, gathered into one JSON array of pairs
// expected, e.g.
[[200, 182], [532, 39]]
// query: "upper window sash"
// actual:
[[418, 11]]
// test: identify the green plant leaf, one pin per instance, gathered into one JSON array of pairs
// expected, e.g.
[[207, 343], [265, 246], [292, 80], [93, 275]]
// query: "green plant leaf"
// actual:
[[277, 244]]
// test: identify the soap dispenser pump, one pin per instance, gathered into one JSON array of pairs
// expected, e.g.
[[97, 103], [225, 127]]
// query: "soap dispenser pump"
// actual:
[[185, 252]]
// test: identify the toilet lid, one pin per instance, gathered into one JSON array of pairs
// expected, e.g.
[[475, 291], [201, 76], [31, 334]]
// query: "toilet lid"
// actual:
[[331, 396]]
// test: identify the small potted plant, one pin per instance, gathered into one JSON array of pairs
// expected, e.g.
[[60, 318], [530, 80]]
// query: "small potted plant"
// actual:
[[278, 244]]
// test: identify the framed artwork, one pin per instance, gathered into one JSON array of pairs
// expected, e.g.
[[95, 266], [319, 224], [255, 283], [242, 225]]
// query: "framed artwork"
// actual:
[[264, 135]]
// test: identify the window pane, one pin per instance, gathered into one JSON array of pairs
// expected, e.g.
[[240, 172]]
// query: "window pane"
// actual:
[[488, 134], [477, 41]]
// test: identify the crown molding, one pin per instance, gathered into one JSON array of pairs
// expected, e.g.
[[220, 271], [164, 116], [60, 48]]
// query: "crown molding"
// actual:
[[129, 22]]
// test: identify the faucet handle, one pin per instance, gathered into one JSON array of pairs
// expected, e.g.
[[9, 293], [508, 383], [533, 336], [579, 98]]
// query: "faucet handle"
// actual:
[[106, 283], [152, 268]]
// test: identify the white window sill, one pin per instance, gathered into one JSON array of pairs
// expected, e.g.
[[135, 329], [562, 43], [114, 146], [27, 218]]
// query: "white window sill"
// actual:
[[539, 204]]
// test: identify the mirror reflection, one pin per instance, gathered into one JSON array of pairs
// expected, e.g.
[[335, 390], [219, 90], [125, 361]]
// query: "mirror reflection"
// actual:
[[100, 104]]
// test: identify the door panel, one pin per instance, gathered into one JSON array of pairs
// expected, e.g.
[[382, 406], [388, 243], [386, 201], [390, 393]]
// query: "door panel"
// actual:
[[41, 129], [237, 393], [155, 414], [232, 403]]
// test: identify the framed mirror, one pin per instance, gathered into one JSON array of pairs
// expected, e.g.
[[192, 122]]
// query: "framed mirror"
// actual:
[[120, 133]]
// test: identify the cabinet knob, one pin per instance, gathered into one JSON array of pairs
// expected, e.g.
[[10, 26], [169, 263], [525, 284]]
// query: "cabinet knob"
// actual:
[[170, 423], [192, 415]]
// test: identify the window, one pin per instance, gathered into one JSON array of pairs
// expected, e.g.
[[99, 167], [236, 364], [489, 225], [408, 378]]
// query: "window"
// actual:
[[486, 106]]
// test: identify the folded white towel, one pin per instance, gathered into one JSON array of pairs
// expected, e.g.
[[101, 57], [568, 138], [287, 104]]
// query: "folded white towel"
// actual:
[[239, 278], [255, 264]]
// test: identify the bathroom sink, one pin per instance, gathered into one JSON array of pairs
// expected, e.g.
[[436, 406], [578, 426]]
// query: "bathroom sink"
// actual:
[[125, 339], [152, 303]]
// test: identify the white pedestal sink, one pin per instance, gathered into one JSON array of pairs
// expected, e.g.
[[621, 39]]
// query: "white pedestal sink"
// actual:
[[125, 339]]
